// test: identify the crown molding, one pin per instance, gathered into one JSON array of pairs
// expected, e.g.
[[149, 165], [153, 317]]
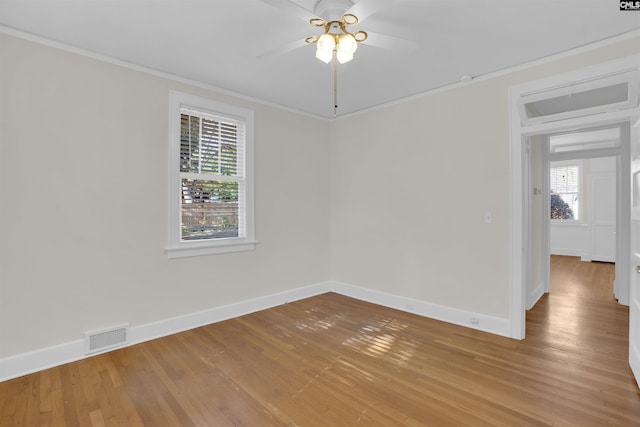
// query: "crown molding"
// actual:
[[147, 70], [505, 71]]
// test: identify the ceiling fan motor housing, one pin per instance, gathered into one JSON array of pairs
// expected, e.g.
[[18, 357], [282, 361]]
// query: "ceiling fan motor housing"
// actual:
[[331, 10]]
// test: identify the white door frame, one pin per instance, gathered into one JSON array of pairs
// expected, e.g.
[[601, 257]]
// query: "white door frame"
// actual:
[[534, 293], [634, 297], [519, 251]]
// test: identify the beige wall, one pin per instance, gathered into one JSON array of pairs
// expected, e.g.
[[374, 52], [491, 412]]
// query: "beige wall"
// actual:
[[390, 200], [83, 207], [410, 184]]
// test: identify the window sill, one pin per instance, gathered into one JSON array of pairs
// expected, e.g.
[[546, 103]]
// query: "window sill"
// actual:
[[191, 249], [568, 223]]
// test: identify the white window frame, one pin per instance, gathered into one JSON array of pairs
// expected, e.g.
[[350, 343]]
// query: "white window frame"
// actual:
[[579, 165], [627, 76], [178, 248]]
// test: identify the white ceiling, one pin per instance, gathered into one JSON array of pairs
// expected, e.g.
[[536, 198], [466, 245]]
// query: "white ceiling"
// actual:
[[223, 42]]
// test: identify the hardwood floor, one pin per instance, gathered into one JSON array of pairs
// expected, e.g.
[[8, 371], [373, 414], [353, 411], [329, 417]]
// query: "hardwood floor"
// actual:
[[335, 361]]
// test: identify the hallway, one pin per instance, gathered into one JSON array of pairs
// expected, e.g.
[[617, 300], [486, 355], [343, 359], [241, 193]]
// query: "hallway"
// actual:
[[580, 324]]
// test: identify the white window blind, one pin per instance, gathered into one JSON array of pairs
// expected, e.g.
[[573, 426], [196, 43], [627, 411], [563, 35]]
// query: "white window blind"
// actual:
[[212, 176], [211, 206], [565, 192]]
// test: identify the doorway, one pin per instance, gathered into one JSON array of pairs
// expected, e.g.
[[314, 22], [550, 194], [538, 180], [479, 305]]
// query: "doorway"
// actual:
[[575, 199], [535, 114]]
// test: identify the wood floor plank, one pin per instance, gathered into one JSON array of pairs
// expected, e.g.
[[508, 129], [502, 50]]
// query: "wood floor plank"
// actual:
[[335, 361]]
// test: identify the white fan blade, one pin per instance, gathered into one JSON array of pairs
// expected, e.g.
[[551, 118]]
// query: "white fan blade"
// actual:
[[365, 8], [389, 42], [286, 48], [292, 8]]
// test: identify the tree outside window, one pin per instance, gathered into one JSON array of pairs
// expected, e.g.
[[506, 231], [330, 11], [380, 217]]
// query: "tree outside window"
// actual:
[[564, 182]]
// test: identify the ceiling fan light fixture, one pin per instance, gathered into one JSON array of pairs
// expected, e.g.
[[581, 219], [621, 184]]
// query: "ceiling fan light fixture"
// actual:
[[336, 42], [343, 57], [326, 42], [325, 46], [347, 44], [324, 56]]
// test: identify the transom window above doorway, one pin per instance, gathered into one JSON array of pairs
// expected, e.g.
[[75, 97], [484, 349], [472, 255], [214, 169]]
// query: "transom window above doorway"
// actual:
[[585, 140], [580, 98]]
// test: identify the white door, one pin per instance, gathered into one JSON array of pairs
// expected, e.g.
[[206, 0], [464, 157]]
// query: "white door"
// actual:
[[634, 297], [602, 199]]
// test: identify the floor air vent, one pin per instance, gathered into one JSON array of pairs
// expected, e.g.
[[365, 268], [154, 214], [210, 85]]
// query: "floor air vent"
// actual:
[[105, 339]]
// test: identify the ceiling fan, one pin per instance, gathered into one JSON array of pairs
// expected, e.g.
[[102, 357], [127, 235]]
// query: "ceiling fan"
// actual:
[[337, 43], [334, 16]]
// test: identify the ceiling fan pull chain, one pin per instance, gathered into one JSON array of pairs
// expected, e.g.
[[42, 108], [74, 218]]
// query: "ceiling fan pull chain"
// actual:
[[335, 85]]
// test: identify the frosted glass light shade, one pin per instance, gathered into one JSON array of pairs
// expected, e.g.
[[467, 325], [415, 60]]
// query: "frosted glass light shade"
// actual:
[[325, 57], [325, 46], [347, 45], [343, 57]]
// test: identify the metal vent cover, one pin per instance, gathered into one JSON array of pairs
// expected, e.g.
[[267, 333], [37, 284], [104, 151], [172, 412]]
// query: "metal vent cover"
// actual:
[[105, 339]]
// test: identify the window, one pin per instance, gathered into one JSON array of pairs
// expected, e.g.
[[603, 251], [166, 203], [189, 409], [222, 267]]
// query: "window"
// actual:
[[211, 172], [585, 140], [565, 192], [581, 98]]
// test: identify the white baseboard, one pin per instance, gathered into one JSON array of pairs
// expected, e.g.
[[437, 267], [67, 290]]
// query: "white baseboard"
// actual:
[[494, 325], [634, 360], [566, 252], [166, 327], [38, 360], [571, 252], [26, 363], [535, 295]]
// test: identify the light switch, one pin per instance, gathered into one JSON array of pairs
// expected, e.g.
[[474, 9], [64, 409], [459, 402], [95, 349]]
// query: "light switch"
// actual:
[[488, 217]]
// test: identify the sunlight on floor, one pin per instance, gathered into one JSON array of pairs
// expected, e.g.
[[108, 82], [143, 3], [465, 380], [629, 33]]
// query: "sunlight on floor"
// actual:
[[318, 322], [379, 340]]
